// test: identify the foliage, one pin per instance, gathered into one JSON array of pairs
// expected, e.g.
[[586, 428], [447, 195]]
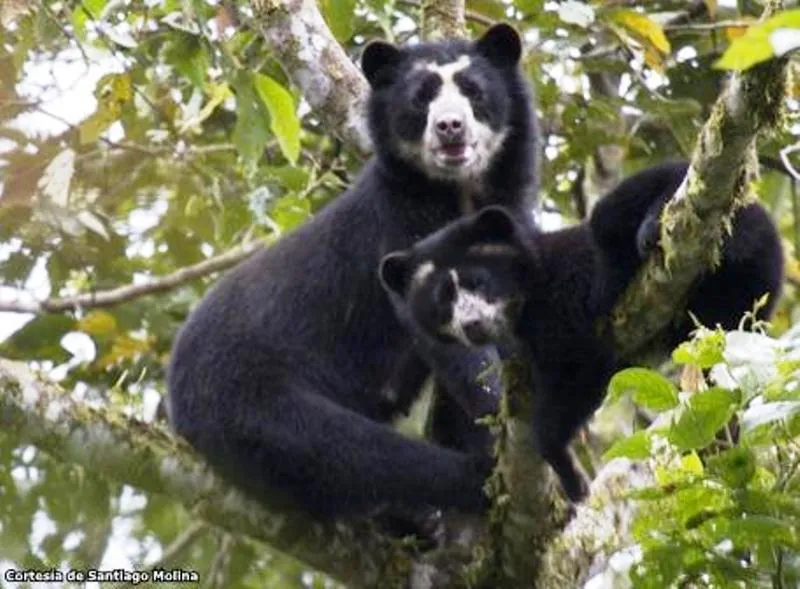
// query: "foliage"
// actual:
[[724, 509], [137, 138]]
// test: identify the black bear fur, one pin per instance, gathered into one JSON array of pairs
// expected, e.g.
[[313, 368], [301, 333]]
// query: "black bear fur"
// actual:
[[553, 289], [276, 376]]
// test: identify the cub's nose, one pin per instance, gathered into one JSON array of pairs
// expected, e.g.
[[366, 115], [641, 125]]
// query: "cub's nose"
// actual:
[[476, 333], [450, 128]]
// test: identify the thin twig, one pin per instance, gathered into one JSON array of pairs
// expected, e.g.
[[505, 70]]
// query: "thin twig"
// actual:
[[176, 548], [123, 294], [218, 571], [708, 26]]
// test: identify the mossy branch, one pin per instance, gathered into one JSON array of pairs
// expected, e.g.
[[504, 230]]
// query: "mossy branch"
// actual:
[[527, 510], [149, 457], [332, 84], [719, 179]]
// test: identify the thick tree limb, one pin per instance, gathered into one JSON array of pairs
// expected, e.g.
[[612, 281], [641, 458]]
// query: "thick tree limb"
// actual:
[[150, 458], [722, 166], [123, 294], [331, 83], [601, 527]]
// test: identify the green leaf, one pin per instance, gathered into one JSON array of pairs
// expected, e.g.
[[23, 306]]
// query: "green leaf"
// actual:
[[217, 94], [113, 91], [745, 532], [635, 447], [251, 132], [291, 177], [736, 467], [704, 351], [650, 389], [706, 413], [40, 339], [776, 36], [283, 115], [290, 211], [83, 12], [685, 471], [700, 500], [188, 55], [340, 16]]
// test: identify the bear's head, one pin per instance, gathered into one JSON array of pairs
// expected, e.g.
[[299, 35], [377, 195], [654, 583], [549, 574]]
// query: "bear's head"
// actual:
[[445, 108], [465, 282]]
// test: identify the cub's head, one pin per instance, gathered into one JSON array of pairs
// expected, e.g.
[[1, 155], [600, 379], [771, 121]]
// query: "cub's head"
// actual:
[[444, 108], [466, 282]]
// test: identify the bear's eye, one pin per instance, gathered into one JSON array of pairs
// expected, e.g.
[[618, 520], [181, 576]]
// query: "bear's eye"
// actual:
[[445, 292], [471, 89], [475, 280], [426, 91]]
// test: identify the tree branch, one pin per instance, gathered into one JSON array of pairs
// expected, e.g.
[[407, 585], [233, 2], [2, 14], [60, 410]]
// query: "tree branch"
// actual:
[[708, 26], [147, 456], [123, 294], [469, 15], [722, 166], [331, 83], [601, 527], [441, 19]]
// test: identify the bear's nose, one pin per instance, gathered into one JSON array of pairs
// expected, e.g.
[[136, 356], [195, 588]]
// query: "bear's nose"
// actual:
[[450, 128]]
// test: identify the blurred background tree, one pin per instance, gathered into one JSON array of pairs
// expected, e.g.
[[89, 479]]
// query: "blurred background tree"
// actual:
[[145, 146]]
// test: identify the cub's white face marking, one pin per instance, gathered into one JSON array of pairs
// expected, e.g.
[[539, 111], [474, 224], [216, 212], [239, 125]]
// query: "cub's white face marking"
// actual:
[[422, 273], [480, 142], [470, 307]]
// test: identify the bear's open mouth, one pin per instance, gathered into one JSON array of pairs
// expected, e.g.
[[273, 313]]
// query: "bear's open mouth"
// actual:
[[455, 154]]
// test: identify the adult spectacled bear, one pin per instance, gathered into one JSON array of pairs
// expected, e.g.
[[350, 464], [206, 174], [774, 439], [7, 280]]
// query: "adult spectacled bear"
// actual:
[[488, 278], [276, 376]]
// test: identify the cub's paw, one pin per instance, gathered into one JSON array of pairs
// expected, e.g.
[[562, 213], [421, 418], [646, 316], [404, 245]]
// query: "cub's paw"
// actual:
[[576, 488], [648, 235]]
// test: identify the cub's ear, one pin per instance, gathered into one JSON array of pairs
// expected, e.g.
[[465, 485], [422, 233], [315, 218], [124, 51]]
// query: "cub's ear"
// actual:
[[501, 45], [394, 272], [377, 57], [493, 224]]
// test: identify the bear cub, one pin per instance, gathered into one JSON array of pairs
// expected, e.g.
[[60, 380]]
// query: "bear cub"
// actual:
[[489, 278]]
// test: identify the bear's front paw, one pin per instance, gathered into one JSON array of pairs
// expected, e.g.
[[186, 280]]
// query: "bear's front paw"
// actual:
[[648, 235]]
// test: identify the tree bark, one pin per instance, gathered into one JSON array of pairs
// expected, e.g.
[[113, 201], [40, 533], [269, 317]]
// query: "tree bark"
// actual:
[[442, 19], [149, 457], [331, 83]]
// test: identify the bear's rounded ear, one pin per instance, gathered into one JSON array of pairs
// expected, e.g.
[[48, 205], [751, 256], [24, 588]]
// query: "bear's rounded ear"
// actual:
[[494, 224], [378, 55], [501, 45], [394, 272]]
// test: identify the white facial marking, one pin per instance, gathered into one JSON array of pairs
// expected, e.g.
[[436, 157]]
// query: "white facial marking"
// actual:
[[422, 272], [481, 142], [470, 307]]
